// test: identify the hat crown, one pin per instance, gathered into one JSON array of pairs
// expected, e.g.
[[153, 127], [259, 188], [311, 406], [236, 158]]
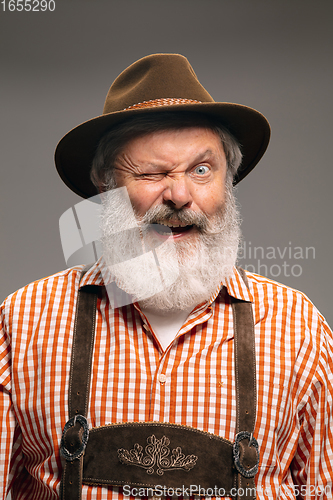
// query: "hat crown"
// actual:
[[158, 76], [156, 83]]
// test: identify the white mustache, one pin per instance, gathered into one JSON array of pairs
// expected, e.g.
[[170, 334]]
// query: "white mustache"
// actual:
[[163, 214]]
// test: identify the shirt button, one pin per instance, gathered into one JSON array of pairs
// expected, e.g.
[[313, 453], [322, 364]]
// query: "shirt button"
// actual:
[[162, 378]]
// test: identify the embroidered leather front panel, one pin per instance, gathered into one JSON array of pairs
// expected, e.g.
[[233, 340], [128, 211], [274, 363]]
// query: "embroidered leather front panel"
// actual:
[[154, 453], [157, 456]]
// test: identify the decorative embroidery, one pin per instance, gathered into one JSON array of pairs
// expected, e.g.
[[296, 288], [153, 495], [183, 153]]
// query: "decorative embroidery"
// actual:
[[166, 101], [157, 455]]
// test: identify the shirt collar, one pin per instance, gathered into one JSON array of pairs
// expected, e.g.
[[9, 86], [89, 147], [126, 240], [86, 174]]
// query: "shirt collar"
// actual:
[[98, 274], [237, 288]]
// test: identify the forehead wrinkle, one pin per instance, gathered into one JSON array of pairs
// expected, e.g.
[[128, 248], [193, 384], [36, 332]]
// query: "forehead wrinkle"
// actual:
[[199, 157]]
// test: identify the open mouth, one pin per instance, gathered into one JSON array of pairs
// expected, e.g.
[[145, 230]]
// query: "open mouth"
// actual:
[[168, 228]]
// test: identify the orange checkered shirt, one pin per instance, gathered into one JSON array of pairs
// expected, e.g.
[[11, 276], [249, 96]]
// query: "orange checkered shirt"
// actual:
[[294, 353]]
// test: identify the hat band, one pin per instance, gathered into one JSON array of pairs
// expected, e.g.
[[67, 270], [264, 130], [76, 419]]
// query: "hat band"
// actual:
[[167, 101]]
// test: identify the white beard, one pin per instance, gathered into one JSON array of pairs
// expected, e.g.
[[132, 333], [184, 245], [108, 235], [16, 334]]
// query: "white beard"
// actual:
[[176, 275]]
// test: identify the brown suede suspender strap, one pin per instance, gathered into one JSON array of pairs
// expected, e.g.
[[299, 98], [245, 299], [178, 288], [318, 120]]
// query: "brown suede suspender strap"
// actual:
[[240, 463], [76, 433], [245, 374], [244, 362]]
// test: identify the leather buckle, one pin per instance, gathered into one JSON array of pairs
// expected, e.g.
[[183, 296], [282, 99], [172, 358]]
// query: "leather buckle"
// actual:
[[76, 435], [236, 454]]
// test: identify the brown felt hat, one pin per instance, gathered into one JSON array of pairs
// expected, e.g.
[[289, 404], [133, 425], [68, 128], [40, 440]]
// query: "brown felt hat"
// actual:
[[159, 82]]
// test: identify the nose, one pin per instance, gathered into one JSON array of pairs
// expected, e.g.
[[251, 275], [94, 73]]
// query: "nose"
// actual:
[[177, 193]]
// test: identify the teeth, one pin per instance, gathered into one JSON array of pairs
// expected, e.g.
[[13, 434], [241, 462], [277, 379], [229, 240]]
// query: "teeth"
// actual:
[[171, 224]]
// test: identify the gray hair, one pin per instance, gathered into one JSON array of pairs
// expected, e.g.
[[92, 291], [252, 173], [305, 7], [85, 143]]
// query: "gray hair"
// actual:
[[113, 141]]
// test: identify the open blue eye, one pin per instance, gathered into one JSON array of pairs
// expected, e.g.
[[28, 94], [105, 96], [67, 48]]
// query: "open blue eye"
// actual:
[[201, 170]]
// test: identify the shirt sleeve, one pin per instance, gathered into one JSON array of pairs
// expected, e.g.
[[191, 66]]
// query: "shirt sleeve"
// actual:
[[312, 466], [10, 435]]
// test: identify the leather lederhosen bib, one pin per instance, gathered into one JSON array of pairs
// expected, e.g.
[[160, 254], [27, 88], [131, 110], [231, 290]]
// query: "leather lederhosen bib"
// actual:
[[153, 454]]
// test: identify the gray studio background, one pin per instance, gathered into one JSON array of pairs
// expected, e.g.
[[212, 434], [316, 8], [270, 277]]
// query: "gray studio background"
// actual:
[[276, 56]]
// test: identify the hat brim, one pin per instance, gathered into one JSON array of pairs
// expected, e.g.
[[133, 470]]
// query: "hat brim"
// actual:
[[76, 150]]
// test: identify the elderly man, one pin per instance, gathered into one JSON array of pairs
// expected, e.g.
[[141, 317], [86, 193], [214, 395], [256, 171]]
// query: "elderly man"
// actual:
[[163, 370]]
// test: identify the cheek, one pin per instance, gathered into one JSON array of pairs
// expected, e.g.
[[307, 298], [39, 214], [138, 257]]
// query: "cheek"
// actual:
[[142, 197], [211, 199]]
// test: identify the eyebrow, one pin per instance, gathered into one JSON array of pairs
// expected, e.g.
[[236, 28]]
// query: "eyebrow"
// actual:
[[205, 154]]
